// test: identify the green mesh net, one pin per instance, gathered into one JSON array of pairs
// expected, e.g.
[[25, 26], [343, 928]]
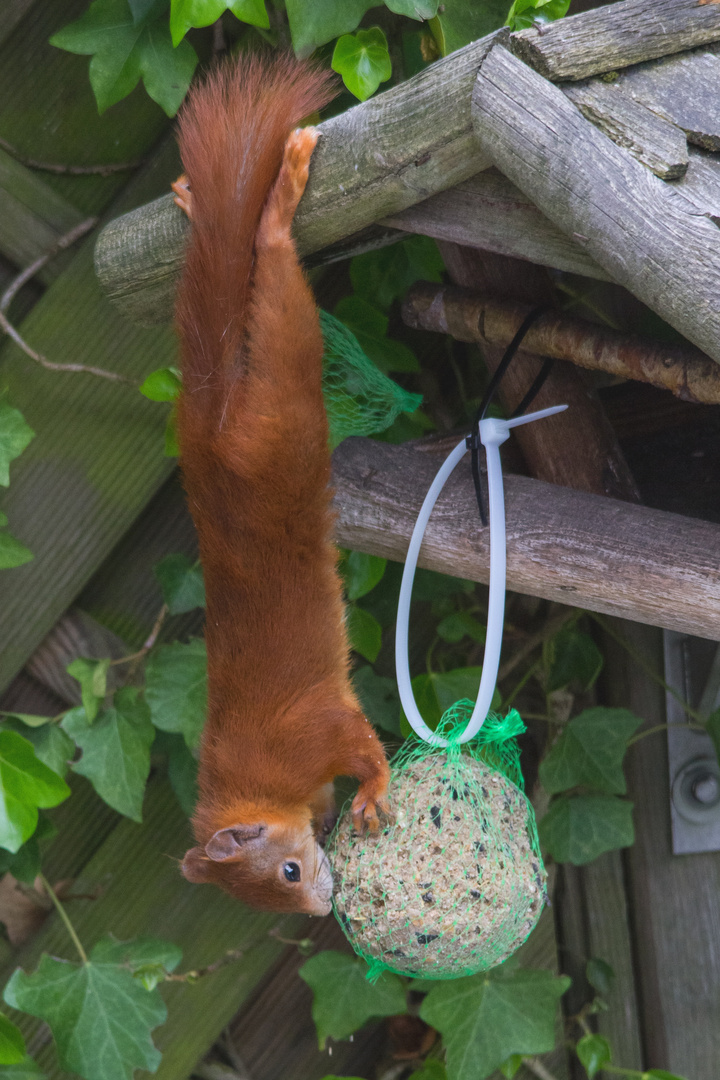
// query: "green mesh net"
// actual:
[[359, 398], [457, 883]]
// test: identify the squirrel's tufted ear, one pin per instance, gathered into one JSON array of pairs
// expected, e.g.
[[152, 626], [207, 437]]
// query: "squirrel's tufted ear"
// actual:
[[229, 843], [195, 866]]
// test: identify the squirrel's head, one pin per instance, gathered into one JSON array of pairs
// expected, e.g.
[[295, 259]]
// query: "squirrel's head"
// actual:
[[273, 866]]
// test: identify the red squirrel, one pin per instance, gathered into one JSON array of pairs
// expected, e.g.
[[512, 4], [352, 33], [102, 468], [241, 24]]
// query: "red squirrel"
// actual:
[[283, 719]]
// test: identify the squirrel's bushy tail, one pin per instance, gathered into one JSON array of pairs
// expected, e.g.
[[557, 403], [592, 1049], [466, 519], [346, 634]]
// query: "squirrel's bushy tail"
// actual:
[[233, 128]]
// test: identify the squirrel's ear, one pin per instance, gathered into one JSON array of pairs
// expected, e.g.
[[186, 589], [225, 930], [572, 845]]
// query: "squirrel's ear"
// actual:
[[195, 866], [228, 843]]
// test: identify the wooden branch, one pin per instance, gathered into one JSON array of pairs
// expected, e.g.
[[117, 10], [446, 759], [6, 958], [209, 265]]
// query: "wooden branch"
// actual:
[[586, 550], [654, 141], [684, 89], [467, 316], [628, 220], [373, 160], [616, 36], [489, 212]]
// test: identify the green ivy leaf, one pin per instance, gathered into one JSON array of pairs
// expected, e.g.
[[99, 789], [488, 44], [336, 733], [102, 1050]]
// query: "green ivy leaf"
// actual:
[[362, 573], [379, 277], [369, 326], [525, 13], [25, 784], [97, 1012], [600, 975], [124, 51], [144, 9], [431, 1069], [12, 1044], [50, 743], [343, 999], [364, 631], [27, 1069], [379, 698], [92, 676], [511, 1066], [713, 729], [660, 1074], [115, 751], [15, 435], [414, 9], [315, 22], [594, 1052], [363, 61], [181, 766], [578, 829], [25, 864], [460, 624], [181, 582], [572, 656], [590, 752], [29, 719], [139, 954], [176, 688], [464, 21], [185, 14], [486, 1018], [164, 384], [12, 552]]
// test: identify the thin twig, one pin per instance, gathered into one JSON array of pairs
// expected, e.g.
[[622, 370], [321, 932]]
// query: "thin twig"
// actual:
[[550, 628], [30, 271], [536, 1066], [198, 973], [662, 727], [64, 916], [68, 170], [20, 280], [136, 657]]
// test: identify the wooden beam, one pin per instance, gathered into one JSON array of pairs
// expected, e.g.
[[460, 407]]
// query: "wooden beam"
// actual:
[[373, 160], [586, 550], [468, 316], [653, 140], [628, 220], [616, 36], [489, 212]]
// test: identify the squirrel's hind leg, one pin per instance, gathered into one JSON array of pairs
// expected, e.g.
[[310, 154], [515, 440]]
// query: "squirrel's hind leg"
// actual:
[[277, 216]]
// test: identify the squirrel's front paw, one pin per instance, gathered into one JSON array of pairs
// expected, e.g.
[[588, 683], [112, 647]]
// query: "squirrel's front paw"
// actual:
[[370, 814], [183, 198]]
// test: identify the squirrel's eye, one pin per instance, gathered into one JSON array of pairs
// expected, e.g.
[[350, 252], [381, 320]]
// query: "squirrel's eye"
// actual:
[[291, 870]]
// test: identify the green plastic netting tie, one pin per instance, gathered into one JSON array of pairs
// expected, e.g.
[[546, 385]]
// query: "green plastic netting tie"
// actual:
[[359, 398]]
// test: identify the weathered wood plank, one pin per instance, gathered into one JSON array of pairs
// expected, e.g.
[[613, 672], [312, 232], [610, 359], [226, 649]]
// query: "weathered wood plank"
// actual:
[[489, 212], [468, 316], [631, 222], [585, 550], [684, 89], [616, 36], [97, 455], [32, 217], [654, 141], [675, 900], [373, 160], [10, 16]]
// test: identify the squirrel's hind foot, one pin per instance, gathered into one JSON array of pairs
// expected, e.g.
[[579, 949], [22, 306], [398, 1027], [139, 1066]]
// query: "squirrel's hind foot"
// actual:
[[277, 217]]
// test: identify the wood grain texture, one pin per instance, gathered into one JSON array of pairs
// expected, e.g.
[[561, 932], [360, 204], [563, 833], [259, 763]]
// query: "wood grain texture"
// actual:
[[468, 316], [675, 900], [489, 212], [10, 16], [654, 141], [684, 89], [616, 36], [373, 160], [631, 222], [578, 549], [32, 217]]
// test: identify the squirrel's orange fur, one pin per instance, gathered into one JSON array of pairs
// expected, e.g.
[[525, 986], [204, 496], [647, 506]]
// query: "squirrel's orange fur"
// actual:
[[282, 716]]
